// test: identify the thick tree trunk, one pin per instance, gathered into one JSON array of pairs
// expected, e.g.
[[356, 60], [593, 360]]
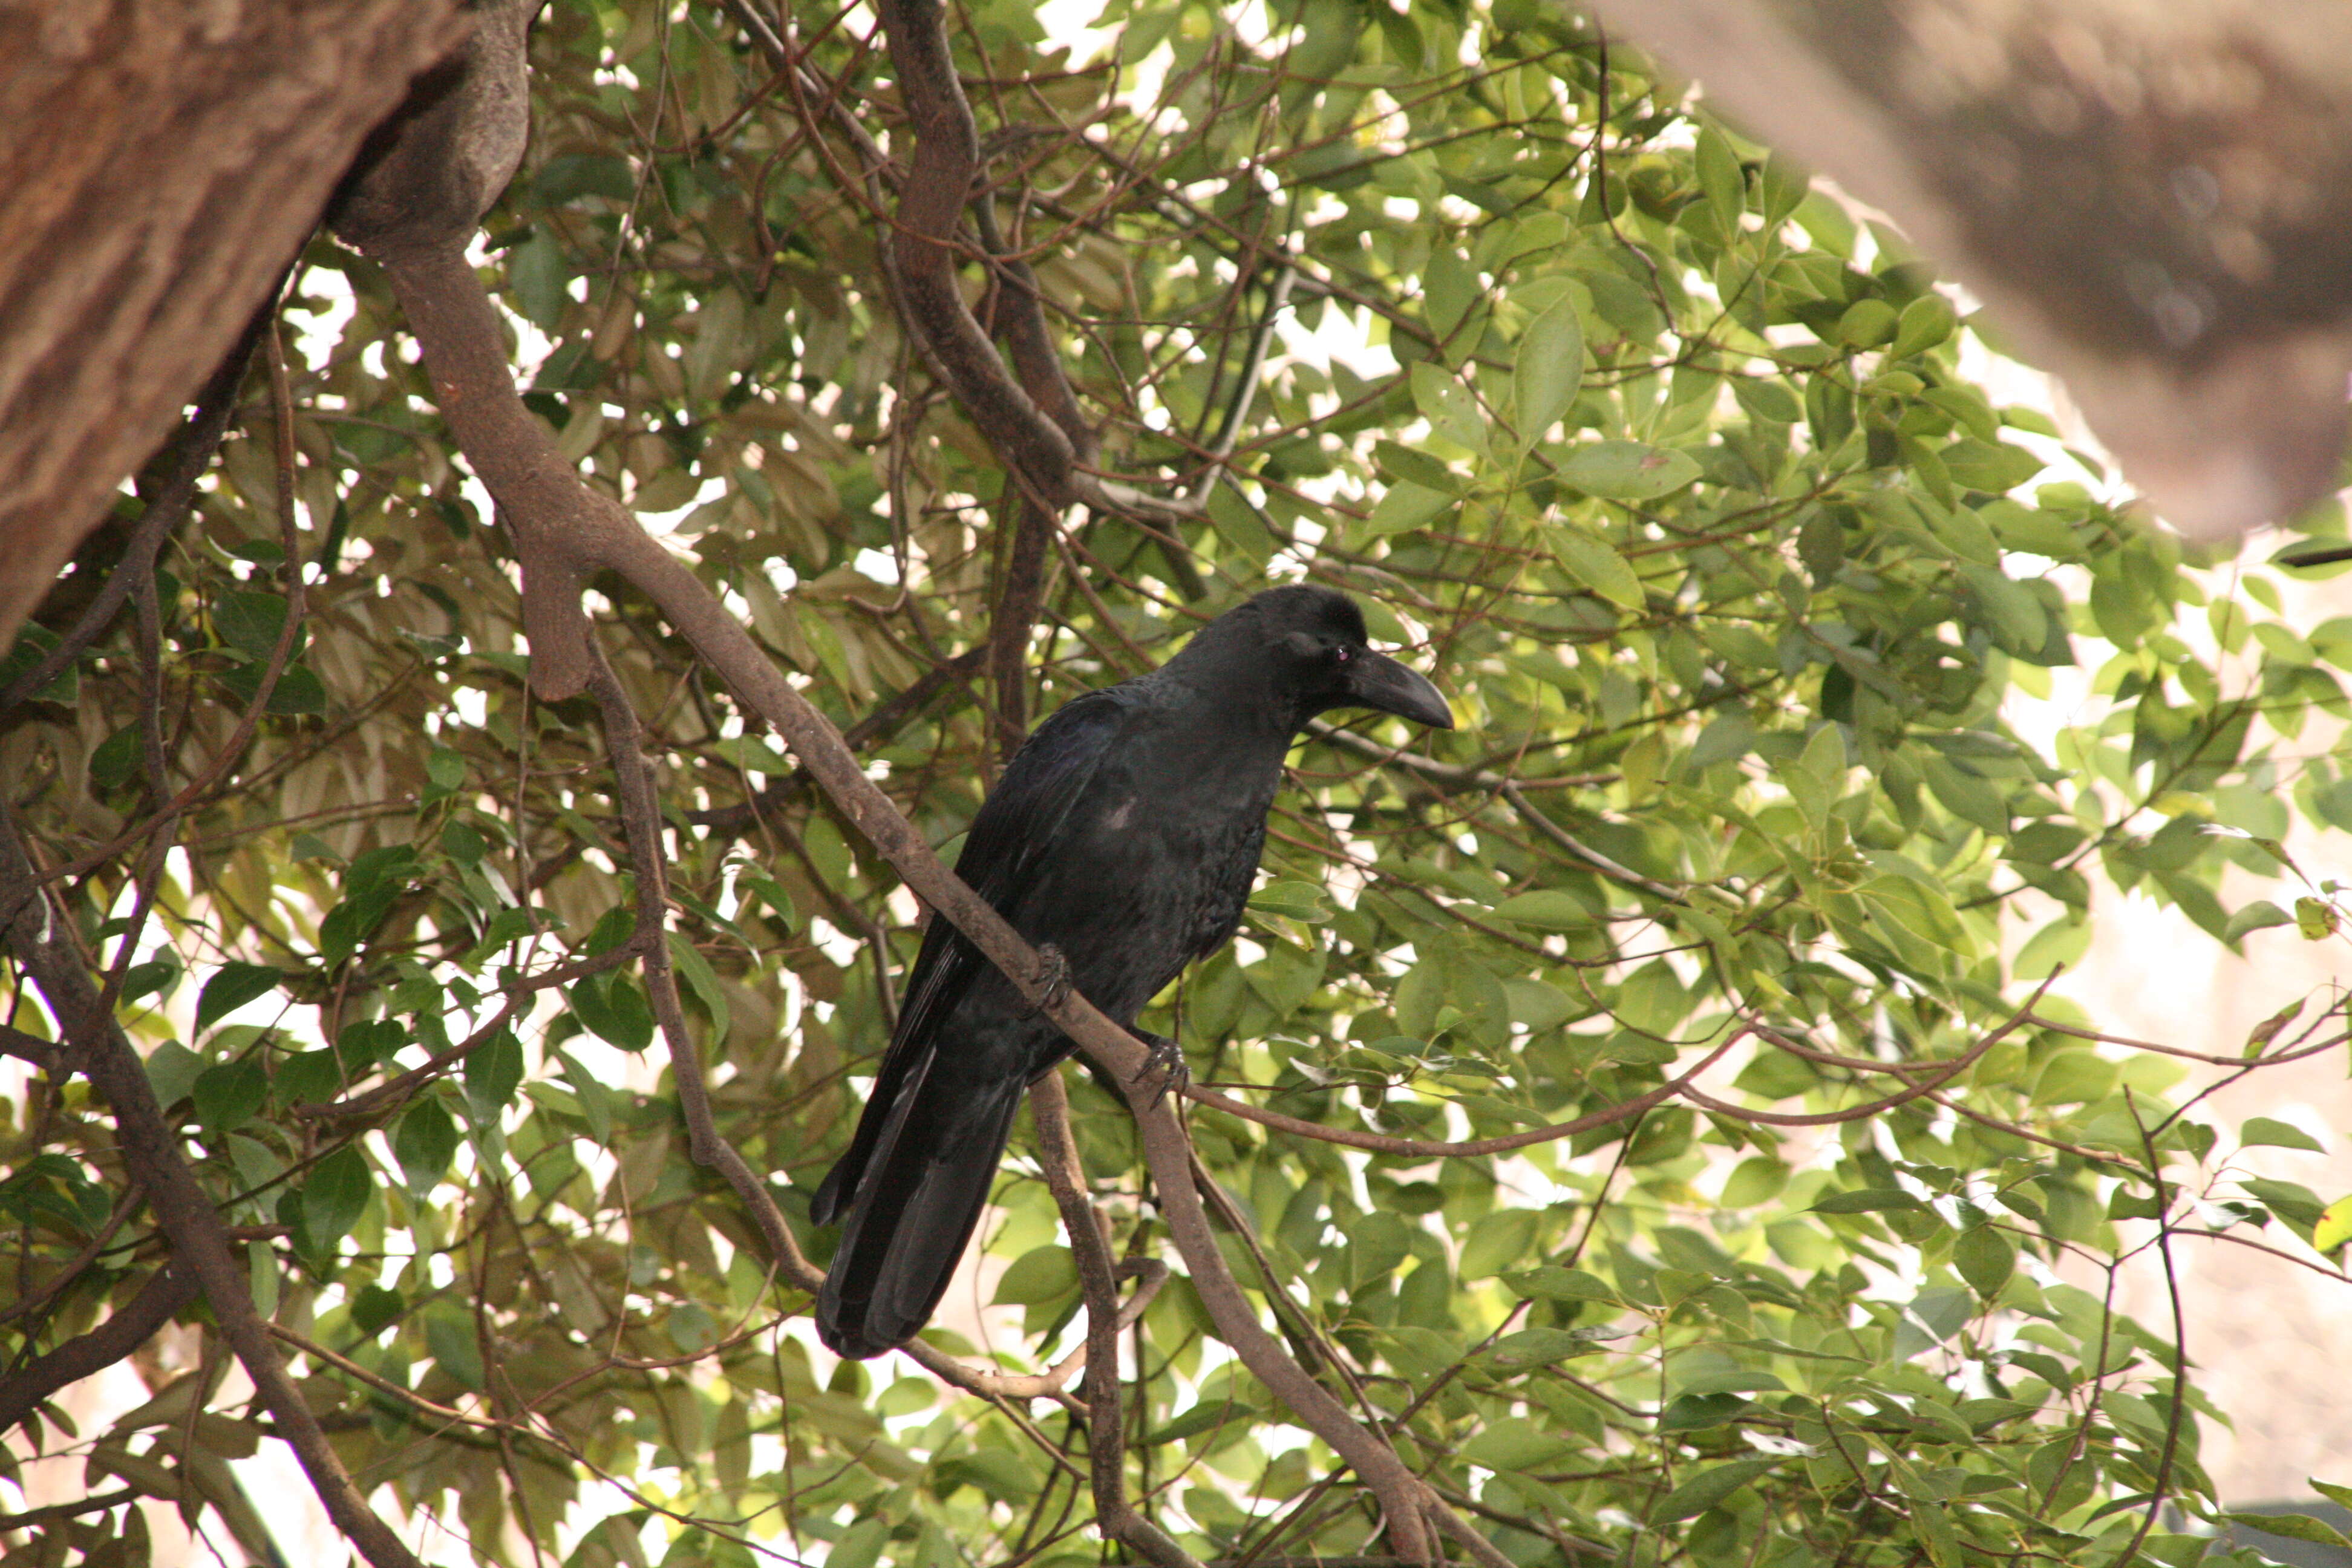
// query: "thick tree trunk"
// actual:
[[160, 161]]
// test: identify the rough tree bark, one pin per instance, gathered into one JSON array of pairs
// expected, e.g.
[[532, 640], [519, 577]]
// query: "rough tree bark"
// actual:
[[162, 162]]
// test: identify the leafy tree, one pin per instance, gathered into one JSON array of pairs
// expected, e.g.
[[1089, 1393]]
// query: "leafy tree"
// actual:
[[1634, 1126]]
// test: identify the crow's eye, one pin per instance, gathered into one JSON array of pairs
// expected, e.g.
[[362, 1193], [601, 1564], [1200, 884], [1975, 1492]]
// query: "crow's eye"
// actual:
[[1341, 653]]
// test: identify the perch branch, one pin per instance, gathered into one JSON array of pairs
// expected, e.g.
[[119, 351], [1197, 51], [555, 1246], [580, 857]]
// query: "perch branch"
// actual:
[[563, 531]]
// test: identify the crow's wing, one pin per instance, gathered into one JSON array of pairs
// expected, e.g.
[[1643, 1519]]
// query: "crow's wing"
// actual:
[[1018, 825]]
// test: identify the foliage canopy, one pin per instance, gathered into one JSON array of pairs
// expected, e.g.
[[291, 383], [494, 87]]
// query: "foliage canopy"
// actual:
[[1665, 465]]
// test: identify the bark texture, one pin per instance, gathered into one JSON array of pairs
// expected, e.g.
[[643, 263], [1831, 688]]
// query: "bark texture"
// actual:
[[162, 161]]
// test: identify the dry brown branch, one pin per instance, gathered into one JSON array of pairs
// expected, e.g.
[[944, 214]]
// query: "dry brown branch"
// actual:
[[1057, 1152], [133, 1324], [1429, 1149], [563, 531], [932, 201], [97, 1047]]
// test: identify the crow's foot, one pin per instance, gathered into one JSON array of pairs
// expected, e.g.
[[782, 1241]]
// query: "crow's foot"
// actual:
[[1166, 1063], [1052, 978]]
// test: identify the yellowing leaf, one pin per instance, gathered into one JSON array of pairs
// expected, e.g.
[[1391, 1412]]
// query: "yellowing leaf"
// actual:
[[2335, 1227]]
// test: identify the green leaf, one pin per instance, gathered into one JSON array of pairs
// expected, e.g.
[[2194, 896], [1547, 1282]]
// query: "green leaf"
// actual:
[[1590, 560], [1545, 910], [1706, 1489], [2335, 1227], [1513, 1443], [1042, 1274], [231, 988], [1721, 178], [2278, 1135], [1452, 412], [334, 1195], [1401, 462], [2255, 914], [539, 275], [450, 1333], [1936, 1533], [1756, 1180], [1208, 1415], [1866, 323], [1297, 901], [1548, 371], [228, 1096], [1867, 1200], [1985, 1259], [1497, 1241], [1626, 470], [493, 1071], [702, 980], [425, 1143], [1926, 322], [1540, 1347], [251, 622], [1553, 1283], [2295, 1527], [172, 1071], [116, 761], [1405, 507]]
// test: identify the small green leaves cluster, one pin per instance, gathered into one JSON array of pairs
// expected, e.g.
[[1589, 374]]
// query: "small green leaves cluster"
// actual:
[[1813, 703]]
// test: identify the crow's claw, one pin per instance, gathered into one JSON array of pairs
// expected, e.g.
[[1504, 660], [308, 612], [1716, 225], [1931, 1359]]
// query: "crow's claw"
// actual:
[[1166, 1062], [1053, 977]]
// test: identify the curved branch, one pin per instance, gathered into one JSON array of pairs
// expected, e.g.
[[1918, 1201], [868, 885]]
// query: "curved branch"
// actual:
[[150, 1150], [1433, 1149], [1057, 1150], [939, 185], [563, 531], [192, 446], [167, 1290]]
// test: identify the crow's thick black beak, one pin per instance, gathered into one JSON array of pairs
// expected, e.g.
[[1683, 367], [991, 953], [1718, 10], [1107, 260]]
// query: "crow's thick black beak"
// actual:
[[1376, 681]]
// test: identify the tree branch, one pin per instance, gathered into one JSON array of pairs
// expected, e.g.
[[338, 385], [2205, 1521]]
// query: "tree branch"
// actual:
[[641, 815], [167, 1292], [563, 531], [1427, 1148], [97, 1047], [932, 201], [1066, 1175], [1020, 595], [193, 446]]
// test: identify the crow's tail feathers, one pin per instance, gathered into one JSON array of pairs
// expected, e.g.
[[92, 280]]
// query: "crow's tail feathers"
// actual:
[[913, 1210]]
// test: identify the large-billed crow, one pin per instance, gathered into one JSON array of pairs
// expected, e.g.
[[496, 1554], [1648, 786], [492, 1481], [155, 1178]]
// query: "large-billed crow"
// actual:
[[1124, 833]]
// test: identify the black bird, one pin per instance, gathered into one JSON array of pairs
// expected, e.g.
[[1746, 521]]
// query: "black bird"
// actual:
[[1125, 833]]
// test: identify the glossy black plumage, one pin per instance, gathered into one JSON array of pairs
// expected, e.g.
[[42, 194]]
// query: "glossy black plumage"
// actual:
[[1126, 833]]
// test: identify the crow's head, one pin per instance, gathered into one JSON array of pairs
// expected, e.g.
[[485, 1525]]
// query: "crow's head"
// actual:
[[1313, 644]]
